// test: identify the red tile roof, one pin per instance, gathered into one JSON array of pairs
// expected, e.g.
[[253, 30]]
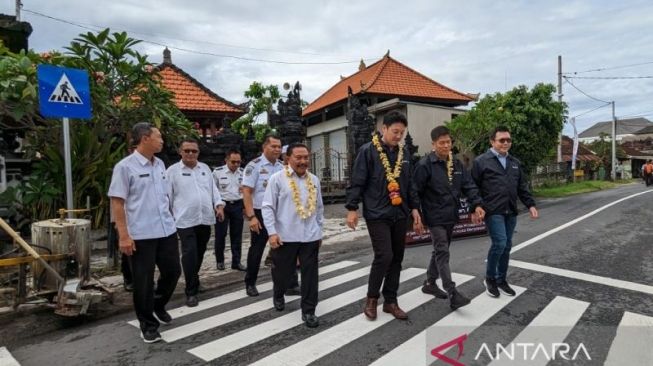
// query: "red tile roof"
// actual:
[[191, 95], [388, 77], [583, 153]]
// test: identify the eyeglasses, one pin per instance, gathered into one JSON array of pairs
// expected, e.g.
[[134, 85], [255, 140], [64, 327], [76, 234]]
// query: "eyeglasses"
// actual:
[[188, 151], [505, 141], [234, 161]]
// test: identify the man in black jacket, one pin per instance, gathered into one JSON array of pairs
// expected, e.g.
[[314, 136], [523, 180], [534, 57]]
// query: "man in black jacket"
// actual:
[[500, 178], [381, 180], [441, 180]]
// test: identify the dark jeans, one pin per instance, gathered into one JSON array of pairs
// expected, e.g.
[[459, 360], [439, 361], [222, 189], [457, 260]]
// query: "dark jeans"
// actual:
[[284, 262], [164, 253], [193, 246], [232, 223], [439, 264], [500, 228], [255, 253], [388, 238], [125, 262]]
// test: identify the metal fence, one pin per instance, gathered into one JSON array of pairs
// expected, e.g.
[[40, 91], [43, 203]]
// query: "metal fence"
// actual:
[[331, 167]]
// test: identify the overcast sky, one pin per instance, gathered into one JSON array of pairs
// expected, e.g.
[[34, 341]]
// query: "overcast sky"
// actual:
[[471, 46]]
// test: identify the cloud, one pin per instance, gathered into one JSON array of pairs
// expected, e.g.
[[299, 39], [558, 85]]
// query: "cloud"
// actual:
[[475, 46]]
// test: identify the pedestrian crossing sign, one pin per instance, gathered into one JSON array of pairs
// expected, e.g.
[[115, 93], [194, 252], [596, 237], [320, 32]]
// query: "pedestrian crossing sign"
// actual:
[[64, 92]]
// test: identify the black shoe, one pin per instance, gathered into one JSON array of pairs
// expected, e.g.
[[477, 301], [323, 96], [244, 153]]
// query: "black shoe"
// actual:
[[506, 289], [295, 291], [491, 287], [191, 301], [457, 300], [128, 286], [239, 267], [162, 316], [251, 290], [150, 336], [279, 303], [310, 320], [220, 266], [433, 289]]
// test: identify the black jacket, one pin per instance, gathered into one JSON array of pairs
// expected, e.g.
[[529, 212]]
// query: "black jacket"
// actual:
[[501, 187], [440, 200], [369, 185]]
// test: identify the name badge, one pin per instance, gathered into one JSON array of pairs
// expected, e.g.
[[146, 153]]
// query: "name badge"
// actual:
[[144, 175], [263, 171], [186, 174]]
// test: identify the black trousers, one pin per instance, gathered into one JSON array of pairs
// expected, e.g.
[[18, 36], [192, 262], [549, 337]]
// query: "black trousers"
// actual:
[[125, 262], [388, 239], [255, 253], [284, 262], [164, 253], [193, 246], [439, 264], [232, 223]]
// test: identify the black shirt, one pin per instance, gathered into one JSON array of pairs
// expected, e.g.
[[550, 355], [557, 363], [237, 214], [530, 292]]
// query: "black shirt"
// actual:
[[370, 186], [440, 199]]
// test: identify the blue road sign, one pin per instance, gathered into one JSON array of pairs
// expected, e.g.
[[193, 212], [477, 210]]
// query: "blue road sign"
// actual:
[[64, 92]]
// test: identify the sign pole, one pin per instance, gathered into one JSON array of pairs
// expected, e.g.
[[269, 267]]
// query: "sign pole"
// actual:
[[68, 166]]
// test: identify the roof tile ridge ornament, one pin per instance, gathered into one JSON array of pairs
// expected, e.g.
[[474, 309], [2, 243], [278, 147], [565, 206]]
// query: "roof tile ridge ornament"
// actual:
[[379, 70]]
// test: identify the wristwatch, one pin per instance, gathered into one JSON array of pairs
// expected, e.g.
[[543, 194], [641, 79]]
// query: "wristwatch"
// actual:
[[250, 217]]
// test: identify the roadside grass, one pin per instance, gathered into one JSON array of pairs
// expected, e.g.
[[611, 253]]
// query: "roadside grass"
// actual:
[[549, 190]]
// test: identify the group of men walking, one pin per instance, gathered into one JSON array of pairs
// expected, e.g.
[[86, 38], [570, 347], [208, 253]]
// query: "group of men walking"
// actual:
[[154, 208]]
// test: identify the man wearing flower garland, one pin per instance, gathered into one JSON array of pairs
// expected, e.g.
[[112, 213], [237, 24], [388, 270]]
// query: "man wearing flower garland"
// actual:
[[293, 214], [501, 181], [381, 180], [440, 181]]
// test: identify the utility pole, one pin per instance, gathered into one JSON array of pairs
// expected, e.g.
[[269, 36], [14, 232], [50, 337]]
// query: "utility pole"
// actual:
[[18, 6], [559, 156], [614, 144]]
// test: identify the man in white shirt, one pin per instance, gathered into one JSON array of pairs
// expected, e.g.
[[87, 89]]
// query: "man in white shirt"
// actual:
[[293, 214], [140, 204], [256, 176], [196, 202], [228, 178]]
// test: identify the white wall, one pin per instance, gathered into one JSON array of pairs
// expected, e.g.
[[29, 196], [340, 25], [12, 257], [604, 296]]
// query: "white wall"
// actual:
[[327, 126]]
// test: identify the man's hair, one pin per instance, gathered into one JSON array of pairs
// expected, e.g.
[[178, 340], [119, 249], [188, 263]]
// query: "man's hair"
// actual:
[[498, 129], [190, 140], [269, 137], [394, 117], [139, 130], [231, 152], [439, 131], [296, 145]]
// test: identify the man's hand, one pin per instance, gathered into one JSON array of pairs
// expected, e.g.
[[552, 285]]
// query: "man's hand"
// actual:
[[255, 225], [417, 222], [126, 245], [352, 219], [533, 212], [275, 241], [219, 213], [478, 216]]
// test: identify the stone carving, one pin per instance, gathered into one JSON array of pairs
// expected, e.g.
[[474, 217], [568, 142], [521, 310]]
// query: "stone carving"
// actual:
[[360, 125], [287, 120]]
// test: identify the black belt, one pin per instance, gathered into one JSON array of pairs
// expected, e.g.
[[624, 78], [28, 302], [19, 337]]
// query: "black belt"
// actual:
[[233, 202]]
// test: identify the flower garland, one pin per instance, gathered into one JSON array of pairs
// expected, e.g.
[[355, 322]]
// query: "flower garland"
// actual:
[[450, 167], [391, 174], [303, 212]]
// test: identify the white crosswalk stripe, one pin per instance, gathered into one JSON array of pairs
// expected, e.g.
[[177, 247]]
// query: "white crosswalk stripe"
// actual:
[[631, 343], [237, 295], [6, 359]]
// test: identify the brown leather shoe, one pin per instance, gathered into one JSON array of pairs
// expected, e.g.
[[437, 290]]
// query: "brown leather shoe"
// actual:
[[370, 308], [395, 310]]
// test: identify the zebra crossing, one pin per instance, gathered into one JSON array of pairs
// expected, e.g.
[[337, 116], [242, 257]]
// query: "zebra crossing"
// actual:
[[203, 339]]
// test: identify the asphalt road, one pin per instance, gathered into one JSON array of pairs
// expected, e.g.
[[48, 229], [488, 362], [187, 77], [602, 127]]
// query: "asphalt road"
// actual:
[[583, 271]]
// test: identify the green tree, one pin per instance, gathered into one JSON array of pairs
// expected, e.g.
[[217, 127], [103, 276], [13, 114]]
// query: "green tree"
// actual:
[[534, 118], [261, 99], [603, 149]]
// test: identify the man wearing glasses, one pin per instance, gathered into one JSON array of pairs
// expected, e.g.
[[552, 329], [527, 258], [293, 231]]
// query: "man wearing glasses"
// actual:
[[196, 202], [501, 180], [228, 179]]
